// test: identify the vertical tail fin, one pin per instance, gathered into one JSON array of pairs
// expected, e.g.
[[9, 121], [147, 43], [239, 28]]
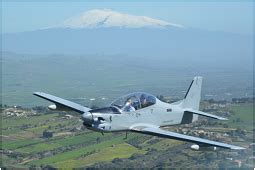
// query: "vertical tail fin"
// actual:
[[193, 95]]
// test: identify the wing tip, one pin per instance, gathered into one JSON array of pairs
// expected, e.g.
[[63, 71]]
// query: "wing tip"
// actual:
[[222, 118], [238, 148], [37, 93]]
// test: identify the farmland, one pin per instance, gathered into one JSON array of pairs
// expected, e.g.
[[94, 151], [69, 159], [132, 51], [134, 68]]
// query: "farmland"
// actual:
[[243, 116], [72, 145]]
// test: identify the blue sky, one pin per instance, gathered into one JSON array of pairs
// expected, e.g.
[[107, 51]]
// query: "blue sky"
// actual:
[[235, 17]]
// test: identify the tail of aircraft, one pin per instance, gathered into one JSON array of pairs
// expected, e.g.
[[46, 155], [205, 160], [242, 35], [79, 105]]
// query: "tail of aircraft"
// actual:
[[193, 96]]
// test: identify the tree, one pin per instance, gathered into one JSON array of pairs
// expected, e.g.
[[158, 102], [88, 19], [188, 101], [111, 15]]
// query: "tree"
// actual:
[[225, 125], [210, 156], [47, 134]]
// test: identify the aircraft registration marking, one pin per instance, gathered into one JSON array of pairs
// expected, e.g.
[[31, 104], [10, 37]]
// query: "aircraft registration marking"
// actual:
[[167, 121]]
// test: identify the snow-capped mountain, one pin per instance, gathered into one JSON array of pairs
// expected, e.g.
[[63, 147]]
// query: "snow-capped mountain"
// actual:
[[130, 35], [98, 18]]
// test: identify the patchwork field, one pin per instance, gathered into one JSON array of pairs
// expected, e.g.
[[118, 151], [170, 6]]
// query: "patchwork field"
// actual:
[[74, 146]]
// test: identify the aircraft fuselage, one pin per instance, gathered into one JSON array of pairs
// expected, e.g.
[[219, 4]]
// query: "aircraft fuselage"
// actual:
[[160, 114]]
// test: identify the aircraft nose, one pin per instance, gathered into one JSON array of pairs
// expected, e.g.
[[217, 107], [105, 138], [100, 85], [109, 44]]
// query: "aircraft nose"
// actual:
[[88, 117]]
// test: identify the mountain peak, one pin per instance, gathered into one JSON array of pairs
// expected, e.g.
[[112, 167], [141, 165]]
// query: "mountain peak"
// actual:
[[98, 18]]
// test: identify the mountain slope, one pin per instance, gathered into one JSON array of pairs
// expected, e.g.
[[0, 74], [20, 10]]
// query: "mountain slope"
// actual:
[[107, 32], [108, 18]]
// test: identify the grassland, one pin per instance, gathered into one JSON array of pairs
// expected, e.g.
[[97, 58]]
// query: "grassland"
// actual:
[[76, 153], [244, 112], [19, 121], [121, 150], [242, 117], [19, 143]]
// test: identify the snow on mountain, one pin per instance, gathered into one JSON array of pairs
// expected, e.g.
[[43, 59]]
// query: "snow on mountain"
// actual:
[[108, 18]]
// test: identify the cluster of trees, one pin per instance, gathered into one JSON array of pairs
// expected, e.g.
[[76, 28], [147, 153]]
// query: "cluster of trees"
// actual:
[[243, 100], [47, 134], [136, 141]]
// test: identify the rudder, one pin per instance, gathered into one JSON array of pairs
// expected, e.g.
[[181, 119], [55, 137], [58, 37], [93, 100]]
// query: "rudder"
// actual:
[[193, 96]]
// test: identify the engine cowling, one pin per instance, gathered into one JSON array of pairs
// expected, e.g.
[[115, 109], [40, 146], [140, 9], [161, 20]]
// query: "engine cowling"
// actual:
[[202, 148], [96, 121]]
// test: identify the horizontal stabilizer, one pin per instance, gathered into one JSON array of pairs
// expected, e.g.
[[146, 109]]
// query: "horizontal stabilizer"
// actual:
[[204, 114]]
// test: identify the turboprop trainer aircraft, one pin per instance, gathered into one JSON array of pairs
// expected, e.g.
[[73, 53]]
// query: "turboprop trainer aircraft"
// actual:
[[144, 113]]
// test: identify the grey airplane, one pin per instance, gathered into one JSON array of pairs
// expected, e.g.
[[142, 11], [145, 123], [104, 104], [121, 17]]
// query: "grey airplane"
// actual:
[[144, 113]]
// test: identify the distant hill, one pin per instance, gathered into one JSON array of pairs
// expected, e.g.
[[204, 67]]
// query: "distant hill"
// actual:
[[110, 32], [104, 53], [188, 46], [109, 76]]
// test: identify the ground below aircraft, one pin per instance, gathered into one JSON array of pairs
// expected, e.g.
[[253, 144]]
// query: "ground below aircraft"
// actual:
[[144, 113]]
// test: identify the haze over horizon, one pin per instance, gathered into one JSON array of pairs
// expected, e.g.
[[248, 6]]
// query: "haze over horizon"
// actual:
[[93, 43]]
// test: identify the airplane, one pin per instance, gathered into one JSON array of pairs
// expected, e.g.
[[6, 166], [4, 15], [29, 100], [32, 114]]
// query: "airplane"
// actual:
[[145, 114]]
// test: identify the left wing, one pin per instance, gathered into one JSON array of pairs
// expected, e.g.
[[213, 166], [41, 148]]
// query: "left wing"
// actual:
[[62, 103], [156, 131]]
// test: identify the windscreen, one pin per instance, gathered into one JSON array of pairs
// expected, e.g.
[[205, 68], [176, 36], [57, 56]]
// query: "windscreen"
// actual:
[[134, 101]]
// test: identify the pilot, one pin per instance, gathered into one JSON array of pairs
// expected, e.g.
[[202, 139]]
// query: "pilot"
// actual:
[[128, 106], [143, 101]]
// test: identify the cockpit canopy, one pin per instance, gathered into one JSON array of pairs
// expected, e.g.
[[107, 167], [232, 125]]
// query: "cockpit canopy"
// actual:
[[134, 101]]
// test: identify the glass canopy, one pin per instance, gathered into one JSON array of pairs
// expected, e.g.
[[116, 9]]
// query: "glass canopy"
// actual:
[[134, 101]]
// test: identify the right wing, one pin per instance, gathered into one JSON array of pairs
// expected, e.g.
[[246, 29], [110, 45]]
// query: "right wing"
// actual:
[[62, 103], [156, 131]]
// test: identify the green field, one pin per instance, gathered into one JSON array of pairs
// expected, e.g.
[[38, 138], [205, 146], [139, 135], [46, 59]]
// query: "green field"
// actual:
[[242, 117], [19, 143], [79, 152], [19, 121], [85, 147], [57, 143], [23, 137], [122, 150]]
